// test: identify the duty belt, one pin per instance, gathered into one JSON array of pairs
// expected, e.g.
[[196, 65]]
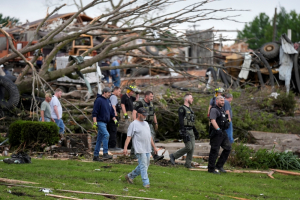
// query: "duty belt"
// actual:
[[188, 127]]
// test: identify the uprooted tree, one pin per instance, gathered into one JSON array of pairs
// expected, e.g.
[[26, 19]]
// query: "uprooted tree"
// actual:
[[118, 40]]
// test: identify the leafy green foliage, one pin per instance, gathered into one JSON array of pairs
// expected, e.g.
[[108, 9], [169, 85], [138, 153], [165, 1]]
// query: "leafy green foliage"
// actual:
[[245, 157], [260, 30], [31, 132], [6, 19]]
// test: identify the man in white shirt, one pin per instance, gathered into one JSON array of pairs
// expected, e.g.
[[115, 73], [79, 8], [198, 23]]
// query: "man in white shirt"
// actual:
[[56, 110], [140, 133]]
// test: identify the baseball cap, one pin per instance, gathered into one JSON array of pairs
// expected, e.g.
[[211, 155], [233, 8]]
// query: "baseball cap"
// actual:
[[106, 89], [143, 111]]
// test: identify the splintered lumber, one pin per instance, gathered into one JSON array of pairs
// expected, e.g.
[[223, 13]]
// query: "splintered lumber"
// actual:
[[239, 198], [286, 172], [270, 174], [237, 171], [15, 181], [108, 195], [63, 197]]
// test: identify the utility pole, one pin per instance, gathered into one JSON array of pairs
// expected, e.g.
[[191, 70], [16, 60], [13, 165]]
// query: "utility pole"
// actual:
[[274, 25]]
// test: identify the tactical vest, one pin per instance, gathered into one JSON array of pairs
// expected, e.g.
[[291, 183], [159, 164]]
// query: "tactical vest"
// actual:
[[222, 120], [150, 110], [189, 117]]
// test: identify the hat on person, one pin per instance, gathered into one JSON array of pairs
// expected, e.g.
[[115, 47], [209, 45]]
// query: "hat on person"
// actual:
[[106, 89], [142, 111]]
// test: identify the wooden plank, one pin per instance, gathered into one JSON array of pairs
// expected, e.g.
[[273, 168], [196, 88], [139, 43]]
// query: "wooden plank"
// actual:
[[286, 172], [108, 195], [63, 197], [16, 181], [237, 171]]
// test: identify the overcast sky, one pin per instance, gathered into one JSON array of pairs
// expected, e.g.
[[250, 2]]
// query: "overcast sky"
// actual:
[[36, 9]]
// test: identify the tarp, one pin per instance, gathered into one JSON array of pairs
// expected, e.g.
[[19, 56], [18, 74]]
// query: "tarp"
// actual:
[[286, 62]]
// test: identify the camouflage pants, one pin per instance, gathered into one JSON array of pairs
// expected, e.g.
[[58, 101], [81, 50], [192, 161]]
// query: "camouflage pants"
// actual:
[[188, 149]]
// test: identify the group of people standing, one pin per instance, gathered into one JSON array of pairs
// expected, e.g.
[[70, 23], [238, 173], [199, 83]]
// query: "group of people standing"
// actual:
[[114, 73], [51, 110]]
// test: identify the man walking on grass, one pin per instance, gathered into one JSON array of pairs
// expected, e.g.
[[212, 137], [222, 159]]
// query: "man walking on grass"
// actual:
[[140, 133], [102, 114]]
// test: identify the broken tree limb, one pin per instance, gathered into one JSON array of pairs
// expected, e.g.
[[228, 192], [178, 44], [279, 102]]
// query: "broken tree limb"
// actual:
[[6, 180], [63, 197], [108, 195], [286, 172]]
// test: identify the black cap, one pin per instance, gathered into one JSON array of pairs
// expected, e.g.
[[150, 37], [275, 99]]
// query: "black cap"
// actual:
[[143, 111]]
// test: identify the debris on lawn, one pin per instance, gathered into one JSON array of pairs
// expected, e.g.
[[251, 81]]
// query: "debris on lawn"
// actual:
[[109, 195], [46, 190], [19, 158], [15, 181], [63, 197], [286, 172]]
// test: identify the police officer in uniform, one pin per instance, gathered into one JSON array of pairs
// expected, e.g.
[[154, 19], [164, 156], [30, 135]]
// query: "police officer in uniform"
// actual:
[[151, 118], [218, 137], [187, 131]]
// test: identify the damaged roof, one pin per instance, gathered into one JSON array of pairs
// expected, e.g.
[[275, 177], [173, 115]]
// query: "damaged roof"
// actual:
[[32, 25]]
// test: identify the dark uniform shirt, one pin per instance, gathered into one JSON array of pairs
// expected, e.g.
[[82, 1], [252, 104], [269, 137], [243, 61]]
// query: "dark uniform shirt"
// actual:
[[128, 102]]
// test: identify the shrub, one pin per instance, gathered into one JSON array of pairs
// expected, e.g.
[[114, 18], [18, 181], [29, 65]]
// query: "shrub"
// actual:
[[245, 157], [28, 132]]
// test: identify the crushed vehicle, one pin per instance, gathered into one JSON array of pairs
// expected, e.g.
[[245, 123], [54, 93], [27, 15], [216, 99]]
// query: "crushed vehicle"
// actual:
[[274, 64]]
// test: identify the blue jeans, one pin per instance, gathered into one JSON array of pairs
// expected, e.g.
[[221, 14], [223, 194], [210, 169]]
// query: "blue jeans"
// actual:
[[61, 125], [102, 137], [142, 168], [116, 80], [229, 132], [46, 119]]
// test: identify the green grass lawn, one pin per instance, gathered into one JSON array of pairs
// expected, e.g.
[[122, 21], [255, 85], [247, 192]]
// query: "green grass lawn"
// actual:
[[166, 182]]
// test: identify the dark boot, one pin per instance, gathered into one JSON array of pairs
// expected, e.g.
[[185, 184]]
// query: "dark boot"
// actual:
[[157, 158], [214, 172], [96, 158], [221, 169], [172, 159], [106, 156]]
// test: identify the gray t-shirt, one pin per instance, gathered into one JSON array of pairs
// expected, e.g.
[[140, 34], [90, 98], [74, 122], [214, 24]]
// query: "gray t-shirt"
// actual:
[[214, 113], [114, 100], [46, 108], [141, 136], [55, 102], [227, 106]]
